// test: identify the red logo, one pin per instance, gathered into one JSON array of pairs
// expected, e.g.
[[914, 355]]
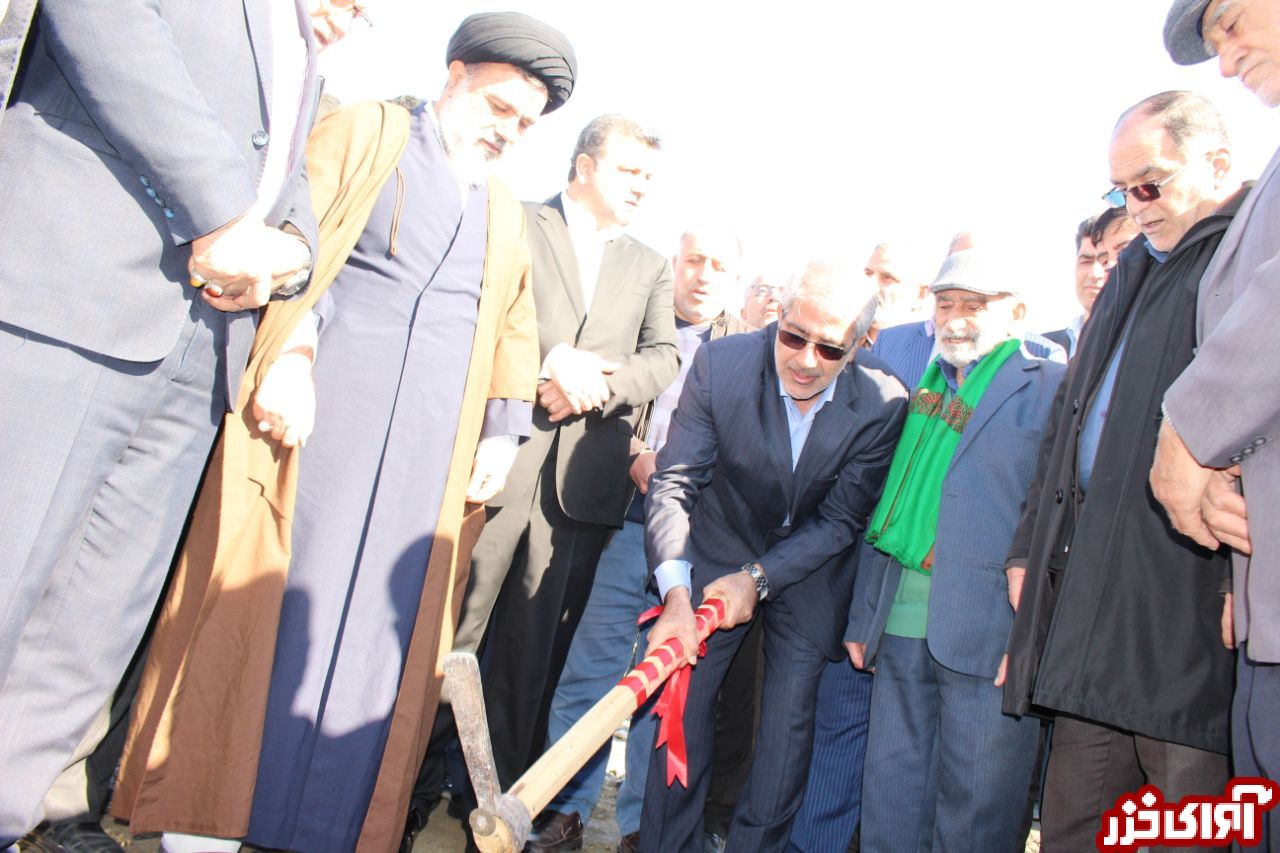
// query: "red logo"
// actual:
[[1145, 818]]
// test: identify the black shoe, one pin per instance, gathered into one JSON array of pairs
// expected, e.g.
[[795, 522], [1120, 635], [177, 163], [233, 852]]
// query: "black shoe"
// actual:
[[630, 843], [414, 824], [69, 837], [555, 831]]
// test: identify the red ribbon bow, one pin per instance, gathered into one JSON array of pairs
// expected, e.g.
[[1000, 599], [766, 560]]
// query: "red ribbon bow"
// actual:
[[670, 707]]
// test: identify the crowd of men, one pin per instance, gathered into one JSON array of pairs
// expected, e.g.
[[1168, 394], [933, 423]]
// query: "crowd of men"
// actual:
[[339, 404]]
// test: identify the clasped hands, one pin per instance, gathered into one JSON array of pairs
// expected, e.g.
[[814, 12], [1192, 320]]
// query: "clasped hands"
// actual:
[[737, 589], [575, 382], [244, 262], [1202, 503]]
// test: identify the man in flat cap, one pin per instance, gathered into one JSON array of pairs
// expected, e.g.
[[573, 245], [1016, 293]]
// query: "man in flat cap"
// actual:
[[293, 675], [1219, 431], [945, 769]]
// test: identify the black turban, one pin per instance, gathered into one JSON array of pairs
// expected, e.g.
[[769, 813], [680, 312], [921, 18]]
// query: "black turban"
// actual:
[[519, 40]]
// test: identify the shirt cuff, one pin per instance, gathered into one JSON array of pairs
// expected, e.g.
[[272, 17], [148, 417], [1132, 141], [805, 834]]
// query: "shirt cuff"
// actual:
[[305, 334], [507, 417], [673, 573]]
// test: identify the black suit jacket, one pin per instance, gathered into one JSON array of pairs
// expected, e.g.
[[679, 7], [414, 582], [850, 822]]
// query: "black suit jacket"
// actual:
[[632, 322], [724, 489]]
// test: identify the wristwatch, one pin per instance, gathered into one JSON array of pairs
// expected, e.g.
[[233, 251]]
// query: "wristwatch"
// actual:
[[757, 575]]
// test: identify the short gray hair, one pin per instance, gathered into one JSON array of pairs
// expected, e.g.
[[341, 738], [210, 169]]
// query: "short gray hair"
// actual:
[[838, 291], [592, 139], [1185, 116]]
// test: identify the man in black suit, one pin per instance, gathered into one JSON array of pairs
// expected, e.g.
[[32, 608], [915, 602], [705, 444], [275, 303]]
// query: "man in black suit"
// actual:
[[767, 511], [607, 334]]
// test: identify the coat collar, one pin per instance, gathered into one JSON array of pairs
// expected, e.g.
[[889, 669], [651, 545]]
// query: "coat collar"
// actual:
[[1011, 378], [832, 425]]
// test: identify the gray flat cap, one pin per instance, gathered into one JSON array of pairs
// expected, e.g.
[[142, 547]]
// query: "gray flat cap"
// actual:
[[971, 270], [1182, 37]]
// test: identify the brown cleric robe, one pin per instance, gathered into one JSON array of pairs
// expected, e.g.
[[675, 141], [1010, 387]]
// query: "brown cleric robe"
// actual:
[[192, 755]]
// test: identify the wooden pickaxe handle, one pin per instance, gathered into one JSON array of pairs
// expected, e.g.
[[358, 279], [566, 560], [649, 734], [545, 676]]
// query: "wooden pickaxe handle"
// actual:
[[504, 826]]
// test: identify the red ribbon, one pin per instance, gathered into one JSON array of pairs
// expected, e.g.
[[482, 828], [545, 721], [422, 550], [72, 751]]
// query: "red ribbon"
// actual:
[[670, 708]]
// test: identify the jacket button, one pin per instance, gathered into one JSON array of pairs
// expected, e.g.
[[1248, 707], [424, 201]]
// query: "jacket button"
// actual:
[[158, 200], [1057, 496], [1235, 459], [168, 214], [151, 193], [146, 182], [1248, 451], [1259, 441], [1075, 406], [259, 138]]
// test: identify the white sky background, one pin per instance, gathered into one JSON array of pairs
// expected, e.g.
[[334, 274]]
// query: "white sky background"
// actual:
[[817, 130]]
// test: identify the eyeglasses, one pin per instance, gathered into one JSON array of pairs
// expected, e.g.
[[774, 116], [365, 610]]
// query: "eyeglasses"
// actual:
[[791, 340], [767, 290], [1142, 192]]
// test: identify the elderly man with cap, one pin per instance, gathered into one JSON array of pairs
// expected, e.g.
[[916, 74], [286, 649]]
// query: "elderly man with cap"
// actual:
[[1219, 429], [1117, 628], [945, 769], [293, 675]]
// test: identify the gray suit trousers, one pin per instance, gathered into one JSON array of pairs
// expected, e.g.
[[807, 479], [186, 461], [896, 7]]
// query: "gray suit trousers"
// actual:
[[103, 460]]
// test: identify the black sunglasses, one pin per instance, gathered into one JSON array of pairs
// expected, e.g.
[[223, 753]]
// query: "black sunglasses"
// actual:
[[791, 340], [1142, 192]]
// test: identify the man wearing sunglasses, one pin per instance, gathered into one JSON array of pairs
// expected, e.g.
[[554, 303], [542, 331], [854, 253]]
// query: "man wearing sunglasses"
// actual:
[[775, 456], [1117, 624], [1220, 414]]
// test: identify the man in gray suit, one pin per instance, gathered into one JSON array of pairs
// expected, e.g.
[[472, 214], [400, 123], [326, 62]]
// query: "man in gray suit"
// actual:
[[1221, 413], [945, 769], [774, 458], [144, 148], [607, 335]]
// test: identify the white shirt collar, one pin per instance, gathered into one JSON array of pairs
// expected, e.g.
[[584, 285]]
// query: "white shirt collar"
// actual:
[[582, 223]]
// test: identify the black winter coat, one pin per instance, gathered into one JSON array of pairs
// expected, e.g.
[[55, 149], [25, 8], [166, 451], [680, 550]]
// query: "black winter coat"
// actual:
[[1119, 617]]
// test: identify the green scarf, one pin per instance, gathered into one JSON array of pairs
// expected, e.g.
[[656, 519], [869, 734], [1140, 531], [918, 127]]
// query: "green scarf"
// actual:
[[905, 522]]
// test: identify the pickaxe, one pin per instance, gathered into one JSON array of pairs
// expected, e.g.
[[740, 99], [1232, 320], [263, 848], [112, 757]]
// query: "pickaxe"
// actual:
[[501, 822]]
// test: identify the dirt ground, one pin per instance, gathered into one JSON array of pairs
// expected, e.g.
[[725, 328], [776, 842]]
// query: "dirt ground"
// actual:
[[444, 834]]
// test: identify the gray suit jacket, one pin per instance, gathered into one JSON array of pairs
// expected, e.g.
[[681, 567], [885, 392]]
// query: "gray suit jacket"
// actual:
[[1225, 405], [133, 129], [982, 498], [724, 489], [631, 322]]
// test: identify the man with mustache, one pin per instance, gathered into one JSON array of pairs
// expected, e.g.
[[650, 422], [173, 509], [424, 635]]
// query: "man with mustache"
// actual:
[[944, 768], [1117, 626], [1218, 435], [774, 460], [292, 679]]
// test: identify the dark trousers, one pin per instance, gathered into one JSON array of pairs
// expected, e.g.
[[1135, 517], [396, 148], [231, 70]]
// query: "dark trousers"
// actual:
[[737, 718], [1092, 765], [672, 819], [531, 574], [1255, 737], [833, 794]]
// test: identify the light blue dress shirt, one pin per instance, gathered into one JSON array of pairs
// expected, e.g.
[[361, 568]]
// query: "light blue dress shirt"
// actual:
[[673, 573]]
